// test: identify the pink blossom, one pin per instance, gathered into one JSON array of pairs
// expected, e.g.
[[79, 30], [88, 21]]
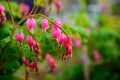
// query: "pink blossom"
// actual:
[[2, 9], [30, 41], [25, 8], [58, 22], [55, 32], [19, 37], [31, 24], [51, 61], [77, 42], [60, 39], [69, 49], [96, 55], [47, 57], [68, 45], [36, 47], [2, 15], [44, 25], [58, 4]]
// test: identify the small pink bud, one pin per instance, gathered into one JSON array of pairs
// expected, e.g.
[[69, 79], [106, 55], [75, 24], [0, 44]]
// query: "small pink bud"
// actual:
[[19, 37], [31, 24], [96, 55], [44, 25], [58, 4]]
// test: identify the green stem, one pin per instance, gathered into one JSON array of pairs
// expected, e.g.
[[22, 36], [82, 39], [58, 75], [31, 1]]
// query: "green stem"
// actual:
[[12, 19]]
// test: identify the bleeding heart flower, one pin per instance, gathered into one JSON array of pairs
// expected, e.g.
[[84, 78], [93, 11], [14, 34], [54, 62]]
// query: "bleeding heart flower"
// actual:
[[44, 25], [58, 22], [19, 37], [51, 61], [30, 41], [55, 32], [31, 24], [60, 39]]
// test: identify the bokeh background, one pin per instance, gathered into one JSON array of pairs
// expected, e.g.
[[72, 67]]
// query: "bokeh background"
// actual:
[[94, 24]]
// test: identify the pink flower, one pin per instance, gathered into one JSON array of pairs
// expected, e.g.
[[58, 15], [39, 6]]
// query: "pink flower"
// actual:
[[68, 45], [96, 55], [30, 41], [44, 25], [58, 22], [55, 32], [69, 49], [58, 4], [2, 15], [36, 47], [51, 61], [77, 42], [31, 24], [25, 8], [2, 9], [19, 37], [60, 39]]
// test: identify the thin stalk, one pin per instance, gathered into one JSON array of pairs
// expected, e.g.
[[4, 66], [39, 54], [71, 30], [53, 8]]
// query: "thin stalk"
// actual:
[[11, 16]]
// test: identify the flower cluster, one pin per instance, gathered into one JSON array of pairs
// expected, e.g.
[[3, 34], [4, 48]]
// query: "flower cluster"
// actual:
[[62, 39], [57, 34], [51, 61], [32, 65], [2, 15]]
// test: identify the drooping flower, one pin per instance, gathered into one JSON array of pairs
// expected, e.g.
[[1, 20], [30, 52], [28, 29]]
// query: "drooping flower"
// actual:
[[55, 32], [36, 48], [2, 15], [51, 61], [58, 22], [60, 39], [96, 55], [25, 8], [19, 37], [30, 41], [58, 4], [31, 24], [44, 25]]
